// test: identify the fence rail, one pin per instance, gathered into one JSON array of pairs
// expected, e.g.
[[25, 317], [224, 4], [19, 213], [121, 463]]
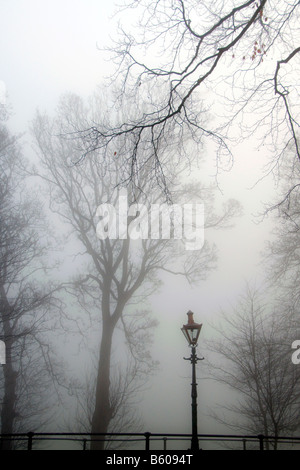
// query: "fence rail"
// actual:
[[149, 441]]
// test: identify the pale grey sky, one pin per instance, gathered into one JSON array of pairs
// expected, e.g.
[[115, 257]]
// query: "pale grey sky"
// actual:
[[50, 47]]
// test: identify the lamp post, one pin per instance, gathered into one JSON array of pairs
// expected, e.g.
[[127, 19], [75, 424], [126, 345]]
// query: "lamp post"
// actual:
[[191, 332]]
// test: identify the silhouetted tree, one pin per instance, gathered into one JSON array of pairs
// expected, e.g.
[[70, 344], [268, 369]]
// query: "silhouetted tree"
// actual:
[[254, 359], [282, 251], [117, 271], [239, 60], [25, 302]]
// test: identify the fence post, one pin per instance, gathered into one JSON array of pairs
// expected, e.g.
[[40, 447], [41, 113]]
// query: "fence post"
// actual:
[[29, 444], [261, 441], [147, 437], [84, 444], [244, 444], [165, 443]]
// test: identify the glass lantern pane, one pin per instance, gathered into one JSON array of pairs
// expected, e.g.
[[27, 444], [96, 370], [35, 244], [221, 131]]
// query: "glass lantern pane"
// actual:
[[194, 333], [186, 334]]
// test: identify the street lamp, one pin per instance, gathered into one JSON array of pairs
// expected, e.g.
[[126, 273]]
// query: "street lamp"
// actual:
[[191, 332]]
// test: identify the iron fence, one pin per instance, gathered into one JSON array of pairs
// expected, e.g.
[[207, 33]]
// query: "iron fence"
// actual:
[[144, 441]]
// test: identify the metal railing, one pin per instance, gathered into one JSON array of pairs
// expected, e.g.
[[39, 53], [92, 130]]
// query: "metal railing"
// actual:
[[144, 441]]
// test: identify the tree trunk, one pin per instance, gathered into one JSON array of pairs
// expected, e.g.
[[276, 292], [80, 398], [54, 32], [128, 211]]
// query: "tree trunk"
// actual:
[[8, 406], [9, 399], [102, 413], [10, 376]]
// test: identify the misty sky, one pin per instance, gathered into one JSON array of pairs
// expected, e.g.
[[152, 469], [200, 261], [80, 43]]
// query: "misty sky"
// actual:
[[50, 47]]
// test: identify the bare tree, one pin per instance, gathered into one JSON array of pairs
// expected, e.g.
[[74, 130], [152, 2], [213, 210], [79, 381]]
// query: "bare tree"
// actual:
[[253, 358], [118, 272], [126, 382], [25, 303], [237, 60], [282, 251]]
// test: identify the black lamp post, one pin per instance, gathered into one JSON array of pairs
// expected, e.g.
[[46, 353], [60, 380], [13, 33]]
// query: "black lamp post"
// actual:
[[191, 332]]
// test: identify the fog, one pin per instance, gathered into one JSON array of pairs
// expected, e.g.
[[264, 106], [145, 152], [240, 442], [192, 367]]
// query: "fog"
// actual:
[[49, 48]]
